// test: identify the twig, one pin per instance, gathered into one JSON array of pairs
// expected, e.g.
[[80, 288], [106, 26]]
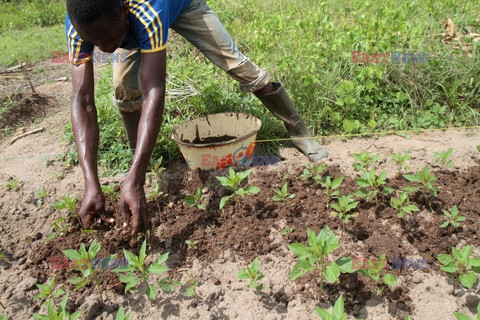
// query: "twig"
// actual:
[[26, 134], [1, 304]]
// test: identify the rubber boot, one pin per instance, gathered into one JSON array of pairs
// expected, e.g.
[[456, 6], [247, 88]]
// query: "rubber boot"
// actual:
[[283, 108], [130, 122]]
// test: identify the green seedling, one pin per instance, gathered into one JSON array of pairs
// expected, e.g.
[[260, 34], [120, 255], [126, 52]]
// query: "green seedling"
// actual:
[[461, 316], [4, 316], [313, 258], [462, 267], [233, 182], [426, 180], [84, 258], [155, 193], [402, 205], [157, 169], [407, 317], [67, 203], [60, 313], [109, 190], [400, 160], [42, 197], [344, 208], [121, 315], [444, 158], [1, 256], [138, 272], [373, 271], [48, 292], [338, 312], [60, 228], [252, 272], [371, 185], [191, 290], [196, 200], [282, 194], [287, 230], [453, 219], [364, 160], [191, 245], [13, 185], [478, 148], [313, 171], [331, 187]]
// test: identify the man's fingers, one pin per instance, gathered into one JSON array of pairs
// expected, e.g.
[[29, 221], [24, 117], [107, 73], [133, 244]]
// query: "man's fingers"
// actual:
[[86, 219], [104, 216], [126, 214], [136, 222], [145, 220]]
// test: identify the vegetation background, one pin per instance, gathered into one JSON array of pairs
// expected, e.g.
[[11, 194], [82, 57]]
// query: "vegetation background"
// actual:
[[307, 45]]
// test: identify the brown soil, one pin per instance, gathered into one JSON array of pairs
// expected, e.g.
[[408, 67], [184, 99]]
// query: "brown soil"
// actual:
[[26, 107], [209, 140]]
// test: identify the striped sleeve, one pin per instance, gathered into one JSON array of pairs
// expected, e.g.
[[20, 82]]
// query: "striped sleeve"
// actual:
[[149, 20], [78, 51]]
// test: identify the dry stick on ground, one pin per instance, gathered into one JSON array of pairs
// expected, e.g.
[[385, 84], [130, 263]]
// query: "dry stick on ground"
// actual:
[[26, 134], [1, 304]]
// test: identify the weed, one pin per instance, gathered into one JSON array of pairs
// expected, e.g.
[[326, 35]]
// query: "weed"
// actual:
[[453, 219], [461, 266], [60, 313], [401, 159], [364, 160], [338, 312], [4, 316], [48, 292], [313, 257], [196, 200], [372, 272], [343, 209], [155, 194], [83, 258], [191, 290], [371, 184], [444, 158], [1, 256], [402, 205], [14, 185], [42, 197], [139, 273], [313, 171], [111, 191], [232, 182], [252, 272], [67, 203], [461, 316], [287, 230], [331, 187], [282, 194], [121, 315], [426, 180], [191, 245], [60, 228]]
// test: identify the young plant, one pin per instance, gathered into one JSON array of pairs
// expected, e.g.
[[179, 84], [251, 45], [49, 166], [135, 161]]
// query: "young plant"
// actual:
[[4, 316], [1, 256], [444, 158], [453, 219], [282, 194], [331, 187], [138, 272], [401, 159], [196, 200], [233, 182], [313, 171], [60, 313], [67, 203], [191, 245], [287, 230], [192, 285], [42, 197], [461, 266], [13, 185], [48, 292], [425, 179], [338, 312], [121, 315], [252, 272], [372, 272], [83, 258], [60, 228], [313, 258], [364, 160], [344, 208], [110, 190], [402, 205], [371, 185], [461, 316]]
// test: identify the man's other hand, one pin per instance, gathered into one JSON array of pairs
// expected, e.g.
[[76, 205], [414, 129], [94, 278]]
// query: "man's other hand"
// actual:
[[133, 206]]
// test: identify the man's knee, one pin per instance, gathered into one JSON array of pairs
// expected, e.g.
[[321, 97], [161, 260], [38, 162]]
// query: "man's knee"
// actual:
[[250, 76], [128, 106]]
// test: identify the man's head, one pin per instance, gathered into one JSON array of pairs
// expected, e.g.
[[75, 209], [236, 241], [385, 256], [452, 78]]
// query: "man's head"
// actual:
[[100, 22]]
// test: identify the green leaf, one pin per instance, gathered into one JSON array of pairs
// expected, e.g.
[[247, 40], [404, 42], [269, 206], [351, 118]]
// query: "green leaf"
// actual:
[[345, 265], [242, 274], [75, 280], [338, 308], [255, 266], [252, 190], [450, 268], [143, 252], [445, 258], [323, 314], [332, 272], [444, 224], [466, 252], [337, 182], [300, 250], [223, 201], [461, 316], [120, 314], [72, 254], [390, 280], [157, 269], [474, 262], [468, 279], [94, 248], [151, 292], [166, 285], [131, 258], [301, 268]]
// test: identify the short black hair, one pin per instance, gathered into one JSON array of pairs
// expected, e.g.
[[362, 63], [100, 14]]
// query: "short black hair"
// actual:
[[83, 12]]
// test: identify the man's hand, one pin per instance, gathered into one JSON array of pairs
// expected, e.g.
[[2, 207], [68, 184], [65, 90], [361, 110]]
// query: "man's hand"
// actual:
[[93, 205], [133, 206]]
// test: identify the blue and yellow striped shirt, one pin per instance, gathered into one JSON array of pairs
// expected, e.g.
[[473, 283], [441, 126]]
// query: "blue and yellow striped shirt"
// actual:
[[149, 21]]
